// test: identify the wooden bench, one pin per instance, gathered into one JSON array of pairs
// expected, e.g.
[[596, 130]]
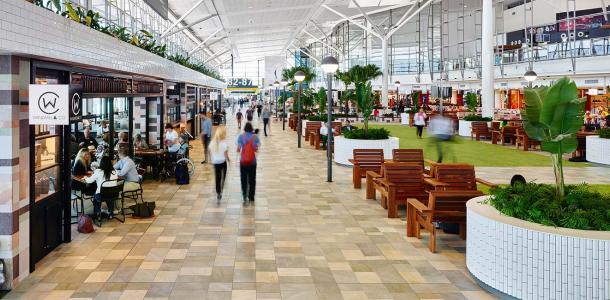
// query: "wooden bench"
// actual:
[[316, 137], [480, 129], [408, 156], [312, 126], [442, 206], [365, 160], [523, 139], [508, 134], [399, 182], [454, 177]]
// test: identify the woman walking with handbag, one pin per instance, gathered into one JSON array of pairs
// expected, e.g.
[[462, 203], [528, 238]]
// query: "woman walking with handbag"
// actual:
[[247, 145], [219, 154]]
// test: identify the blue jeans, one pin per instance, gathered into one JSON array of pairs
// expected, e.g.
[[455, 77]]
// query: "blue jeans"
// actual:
[[97, 205]]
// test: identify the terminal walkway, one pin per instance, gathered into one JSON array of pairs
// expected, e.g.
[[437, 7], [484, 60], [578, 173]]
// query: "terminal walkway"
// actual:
[[303, 238]]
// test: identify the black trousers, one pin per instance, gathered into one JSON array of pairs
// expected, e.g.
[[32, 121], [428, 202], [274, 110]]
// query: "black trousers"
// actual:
[[248, 180], [206, 144], [265, 124], [420, 130], [220, 173]]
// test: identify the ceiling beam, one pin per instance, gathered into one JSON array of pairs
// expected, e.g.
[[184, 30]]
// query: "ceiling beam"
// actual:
[[324, 43], [319, 29], [181, 18], [204, 41], [250, 12], [398, 26], [218, 53], [302, 26], [368, 19], [191, 25], [369, 30]]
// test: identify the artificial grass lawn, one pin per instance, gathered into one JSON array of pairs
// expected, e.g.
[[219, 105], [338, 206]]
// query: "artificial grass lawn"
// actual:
[[464, 150]]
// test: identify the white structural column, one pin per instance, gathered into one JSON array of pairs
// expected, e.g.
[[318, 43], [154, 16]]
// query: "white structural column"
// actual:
[[385, 71], [487, 56]]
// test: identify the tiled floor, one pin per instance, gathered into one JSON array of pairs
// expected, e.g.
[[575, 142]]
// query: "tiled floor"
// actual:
[[303, 239]]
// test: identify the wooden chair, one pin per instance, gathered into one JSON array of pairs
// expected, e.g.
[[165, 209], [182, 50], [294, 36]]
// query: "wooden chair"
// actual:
[[523, 139], [415, 156], [365, 160], [508, 134], [454, 177], [442, 206], [480, 129], [399, 182]]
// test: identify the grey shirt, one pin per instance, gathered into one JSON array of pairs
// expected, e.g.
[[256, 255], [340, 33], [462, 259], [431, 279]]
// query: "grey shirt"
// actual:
[[127, 168], [266, 113]]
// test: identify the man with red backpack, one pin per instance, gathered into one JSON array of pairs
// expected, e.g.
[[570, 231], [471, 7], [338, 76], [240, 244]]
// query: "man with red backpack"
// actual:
[[247, 145]]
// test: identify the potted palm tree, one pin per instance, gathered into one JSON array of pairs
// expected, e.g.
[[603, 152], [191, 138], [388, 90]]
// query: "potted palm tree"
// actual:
[[292, 83], [365, 138], [465, 124], [563, 228]]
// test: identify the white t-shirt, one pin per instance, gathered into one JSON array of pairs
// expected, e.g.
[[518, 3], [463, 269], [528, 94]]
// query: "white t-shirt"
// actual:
[[218, 157], [98, 178], [324, 130], [172, 136]]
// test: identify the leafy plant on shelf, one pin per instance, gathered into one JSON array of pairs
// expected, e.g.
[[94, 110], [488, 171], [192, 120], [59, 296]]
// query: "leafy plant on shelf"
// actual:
[[361, 77], [472, 102], [117, 32], [371, 134], [146, 41], [553, 116], [604, 133]]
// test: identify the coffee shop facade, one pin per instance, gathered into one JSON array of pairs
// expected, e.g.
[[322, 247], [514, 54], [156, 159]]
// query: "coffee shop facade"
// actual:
[[136, 91]]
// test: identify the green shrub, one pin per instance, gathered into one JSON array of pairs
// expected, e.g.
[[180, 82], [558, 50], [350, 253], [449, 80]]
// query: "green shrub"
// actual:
[[322, 118], [372, 134], [477, 118], [581, 208], [604, 133]]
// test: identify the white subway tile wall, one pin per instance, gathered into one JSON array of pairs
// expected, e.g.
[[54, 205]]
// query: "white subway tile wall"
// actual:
[[26, 29], [529, 264]]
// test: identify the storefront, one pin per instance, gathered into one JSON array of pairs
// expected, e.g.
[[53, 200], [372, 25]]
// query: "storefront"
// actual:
[[111, 104]]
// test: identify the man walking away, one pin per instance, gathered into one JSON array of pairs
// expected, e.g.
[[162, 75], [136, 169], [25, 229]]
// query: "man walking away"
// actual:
[[249, 114], [266, 115], [239, 116], [206, 134], [247, 145]]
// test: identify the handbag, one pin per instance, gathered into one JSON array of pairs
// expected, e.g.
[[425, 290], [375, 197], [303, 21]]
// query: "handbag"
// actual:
[[143, 210], [85, 224]]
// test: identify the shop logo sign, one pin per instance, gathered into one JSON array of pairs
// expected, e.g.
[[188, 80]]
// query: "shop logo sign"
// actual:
[[48, 104], [76, 104]]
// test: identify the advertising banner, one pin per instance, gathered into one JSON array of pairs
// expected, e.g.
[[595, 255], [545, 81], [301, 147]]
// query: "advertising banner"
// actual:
[[273, 69], [76, 103]]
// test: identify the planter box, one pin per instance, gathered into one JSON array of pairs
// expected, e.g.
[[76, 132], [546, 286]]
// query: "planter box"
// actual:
[[464, 128], [598, 150], [531, 261], [404, 119], [344, 148]]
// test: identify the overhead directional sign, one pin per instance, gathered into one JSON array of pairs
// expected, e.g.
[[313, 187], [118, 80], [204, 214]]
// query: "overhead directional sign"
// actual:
[[240, 83]]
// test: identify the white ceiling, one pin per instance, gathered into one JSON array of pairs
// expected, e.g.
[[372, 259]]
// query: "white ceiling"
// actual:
[[253, 29]]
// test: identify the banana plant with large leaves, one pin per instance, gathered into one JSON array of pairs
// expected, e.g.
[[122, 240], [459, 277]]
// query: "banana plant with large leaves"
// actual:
[[361, 77], [553, 116]]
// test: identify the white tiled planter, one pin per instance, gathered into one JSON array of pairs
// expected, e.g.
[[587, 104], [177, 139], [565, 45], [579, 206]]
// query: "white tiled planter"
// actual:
[[404, 119], [598, 150], [464, 128], [344, 148], [531, 261]]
